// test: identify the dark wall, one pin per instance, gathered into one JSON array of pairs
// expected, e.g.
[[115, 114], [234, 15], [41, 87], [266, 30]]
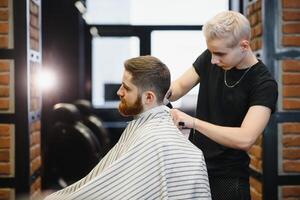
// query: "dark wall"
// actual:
[[63, 29], [65, 53]]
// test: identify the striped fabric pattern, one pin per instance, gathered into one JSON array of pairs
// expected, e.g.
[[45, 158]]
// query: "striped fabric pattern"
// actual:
[[152, 160]]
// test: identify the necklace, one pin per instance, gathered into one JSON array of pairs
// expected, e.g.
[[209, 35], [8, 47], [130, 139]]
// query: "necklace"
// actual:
[[235, 84]]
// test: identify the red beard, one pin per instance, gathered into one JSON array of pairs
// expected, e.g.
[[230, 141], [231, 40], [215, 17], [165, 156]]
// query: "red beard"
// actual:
[[130, 110]]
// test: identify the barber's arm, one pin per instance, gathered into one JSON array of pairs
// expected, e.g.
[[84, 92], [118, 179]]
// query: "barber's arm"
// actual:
[[183, 84], [242, 137]]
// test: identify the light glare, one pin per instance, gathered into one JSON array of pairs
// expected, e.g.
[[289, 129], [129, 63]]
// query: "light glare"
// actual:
[[46, 80]]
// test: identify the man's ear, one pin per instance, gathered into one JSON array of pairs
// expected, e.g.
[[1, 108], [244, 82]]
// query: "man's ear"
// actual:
[[149, 97]]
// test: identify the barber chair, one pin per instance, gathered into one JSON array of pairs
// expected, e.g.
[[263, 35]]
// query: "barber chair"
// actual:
[[94, 123], [73, 148]]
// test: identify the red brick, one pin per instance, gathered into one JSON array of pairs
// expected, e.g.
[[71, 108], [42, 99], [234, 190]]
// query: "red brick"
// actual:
[[256, 44], [257, 185], [34, 44], [290, 4], [3, 42], [291, 153], [259, 16], [291, 91], [4, 155], [291, 104], [250, 9], [255, 164], [5, 169], [255, 195], [3, 3], [291, 65], [257, 5], [258, 30], [4, 28], [255, 151], [4, 66], [253, 19], [4, 79], [291, 128], [34, 21], [4, 104], [34, 9], [35, 164], [4, 130], [290, 191], [35, 126], [4, 15], [4, 92], [290, 40], [291, 28], [5, 194], [291, 78], [291, 166], [290, 15], [4, 142], [34, 33], [291, 140]]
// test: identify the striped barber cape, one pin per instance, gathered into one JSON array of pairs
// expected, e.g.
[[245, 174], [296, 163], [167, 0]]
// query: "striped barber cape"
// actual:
[[152, 160]]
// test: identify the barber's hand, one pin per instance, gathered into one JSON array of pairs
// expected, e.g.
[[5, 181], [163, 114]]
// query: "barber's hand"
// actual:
[[166, 100], [182, 120]]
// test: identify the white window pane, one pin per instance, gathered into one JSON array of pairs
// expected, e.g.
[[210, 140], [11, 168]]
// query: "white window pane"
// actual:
[[109, 54], [153, 12], [174, 12], [107, 11], [178, 50]]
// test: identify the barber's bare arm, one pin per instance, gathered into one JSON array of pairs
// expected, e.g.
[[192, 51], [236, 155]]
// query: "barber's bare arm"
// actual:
[[242, 137], [183, 84]]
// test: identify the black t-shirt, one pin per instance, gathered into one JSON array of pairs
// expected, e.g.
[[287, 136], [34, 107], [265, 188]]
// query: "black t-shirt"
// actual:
[[224, 106]]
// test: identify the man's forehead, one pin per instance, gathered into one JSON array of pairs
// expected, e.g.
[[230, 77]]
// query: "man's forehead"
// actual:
[[127, 78]]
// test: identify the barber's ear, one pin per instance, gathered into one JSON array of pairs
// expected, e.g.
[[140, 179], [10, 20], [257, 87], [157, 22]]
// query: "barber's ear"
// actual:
[[244, 44]]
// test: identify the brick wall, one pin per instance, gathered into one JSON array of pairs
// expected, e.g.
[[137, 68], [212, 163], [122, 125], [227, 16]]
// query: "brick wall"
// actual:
[[35, 97], [6, 86], [254, 15], [7, 158], [7, 131], [289, 163], [23, 63], [5, 30]]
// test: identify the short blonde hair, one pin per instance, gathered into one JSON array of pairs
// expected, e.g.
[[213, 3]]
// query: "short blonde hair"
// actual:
[[229, 25]]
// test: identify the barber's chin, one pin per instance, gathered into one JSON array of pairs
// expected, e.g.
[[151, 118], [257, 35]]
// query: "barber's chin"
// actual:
[[226, 68]]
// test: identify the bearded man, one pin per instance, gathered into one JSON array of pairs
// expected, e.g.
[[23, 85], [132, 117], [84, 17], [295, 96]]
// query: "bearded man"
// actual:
[[152, 159]]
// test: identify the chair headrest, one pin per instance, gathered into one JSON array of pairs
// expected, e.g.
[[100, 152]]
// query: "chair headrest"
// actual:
[[84, 107], [66, 112]]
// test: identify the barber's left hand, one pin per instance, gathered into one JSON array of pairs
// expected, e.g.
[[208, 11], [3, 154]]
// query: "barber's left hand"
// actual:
[[181, 120]]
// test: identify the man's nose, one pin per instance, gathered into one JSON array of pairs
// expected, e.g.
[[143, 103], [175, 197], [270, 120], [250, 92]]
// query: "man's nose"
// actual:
[[119, 92]]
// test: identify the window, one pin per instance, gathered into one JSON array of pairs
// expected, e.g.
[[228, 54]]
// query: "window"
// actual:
[[171, 32], [178, 50], [153, 12], [109, 54]]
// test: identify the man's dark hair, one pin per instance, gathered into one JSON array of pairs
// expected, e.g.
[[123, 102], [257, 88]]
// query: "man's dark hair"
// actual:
[[149, 73]]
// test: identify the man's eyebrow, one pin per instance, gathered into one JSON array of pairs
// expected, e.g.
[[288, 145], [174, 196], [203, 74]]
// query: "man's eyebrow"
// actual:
[[125, 85], [218, 52]]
